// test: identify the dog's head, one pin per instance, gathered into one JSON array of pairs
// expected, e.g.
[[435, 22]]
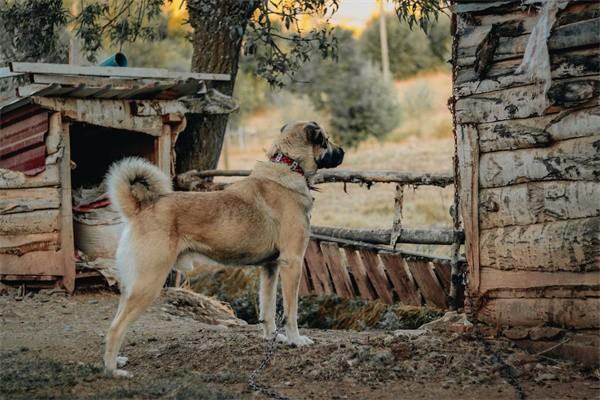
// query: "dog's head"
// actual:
[[309, 145]]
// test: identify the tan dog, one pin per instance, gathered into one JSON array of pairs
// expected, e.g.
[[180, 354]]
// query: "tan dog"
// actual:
[[261, 220]]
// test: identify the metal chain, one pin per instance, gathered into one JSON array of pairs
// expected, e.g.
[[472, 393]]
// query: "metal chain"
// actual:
[[268, 356], [507, 371]]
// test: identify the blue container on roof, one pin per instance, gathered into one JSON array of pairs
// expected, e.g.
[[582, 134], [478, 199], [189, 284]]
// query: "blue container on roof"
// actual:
[[116, 60]]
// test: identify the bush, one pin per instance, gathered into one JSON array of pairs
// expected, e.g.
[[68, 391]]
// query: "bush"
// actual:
[[351, 90]]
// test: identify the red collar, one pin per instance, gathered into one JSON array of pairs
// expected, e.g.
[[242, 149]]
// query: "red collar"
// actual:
[[283, 159]]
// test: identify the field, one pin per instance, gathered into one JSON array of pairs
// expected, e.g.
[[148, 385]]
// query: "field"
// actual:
[[51, 347]]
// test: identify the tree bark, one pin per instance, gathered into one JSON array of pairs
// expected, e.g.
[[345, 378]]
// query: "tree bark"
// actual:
[[219, 27]]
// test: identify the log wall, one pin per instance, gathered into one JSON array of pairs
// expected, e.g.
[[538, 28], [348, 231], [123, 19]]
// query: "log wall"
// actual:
[[529, 165]]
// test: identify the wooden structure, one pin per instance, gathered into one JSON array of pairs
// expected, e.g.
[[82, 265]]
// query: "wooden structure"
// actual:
[[64, 128], [529, 160], [365, 263]]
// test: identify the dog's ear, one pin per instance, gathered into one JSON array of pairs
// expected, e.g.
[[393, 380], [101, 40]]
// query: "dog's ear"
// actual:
[[315, 135], [282, 128]]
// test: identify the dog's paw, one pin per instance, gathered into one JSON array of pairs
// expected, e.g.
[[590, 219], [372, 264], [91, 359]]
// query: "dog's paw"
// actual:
[[121, 361], [119, 373], [296, 340]]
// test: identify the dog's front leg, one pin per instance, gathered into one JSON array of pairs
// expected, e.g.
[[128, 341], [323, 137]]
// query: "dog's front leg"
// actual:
[[291, 271], [269, 275]]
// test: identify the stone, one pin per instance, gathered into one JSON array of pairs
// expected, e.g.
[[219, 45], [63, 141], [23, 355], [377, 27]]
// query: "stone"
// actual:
[[545, 333], [516, 333]]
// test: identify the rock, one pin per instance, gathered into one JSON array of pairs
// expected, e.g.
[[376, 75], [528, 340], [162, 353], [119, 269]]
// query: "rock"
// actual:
[[546, 377], [451, 318], [545, 333], [516, 333], [401, 350], [409, 333]]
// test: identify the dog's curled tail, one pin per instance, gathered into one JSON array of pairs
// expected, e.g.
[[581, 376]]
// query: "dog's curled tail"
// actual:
[[133, 183]]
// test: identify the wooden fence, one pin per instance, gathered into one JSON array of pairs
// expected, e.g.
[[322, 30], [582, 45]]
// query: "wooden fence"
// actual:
[[365, 262]]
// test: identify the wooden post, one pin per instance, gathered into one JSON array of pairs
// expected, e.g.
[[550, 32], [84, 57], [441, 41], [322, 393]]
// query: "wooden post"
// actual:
[[397, 222], [67, 243]]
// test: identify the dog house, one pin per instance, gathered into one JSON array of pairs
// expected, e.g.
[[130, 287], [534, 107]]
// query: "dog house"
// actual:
[[59, 133]]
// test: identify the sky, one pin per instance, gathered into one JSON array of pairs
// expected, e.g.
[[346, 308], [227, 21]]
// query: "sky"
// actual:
[[355, 13]]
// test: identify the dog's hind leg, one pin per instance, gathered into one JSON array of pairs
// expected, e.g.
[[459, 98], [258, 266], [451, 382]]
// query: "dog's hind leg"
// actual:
[[137, 293], [291, 271], [269, 275]]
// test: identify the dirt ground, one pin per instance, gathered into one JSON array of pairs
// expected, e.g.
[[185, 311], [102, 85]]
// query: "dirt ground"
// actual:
[[51, 346]]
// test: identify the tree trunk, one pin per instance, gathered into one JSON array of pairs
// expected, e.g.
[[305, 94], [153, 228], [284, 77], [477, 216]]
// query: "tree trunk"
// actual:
[[219, 27]]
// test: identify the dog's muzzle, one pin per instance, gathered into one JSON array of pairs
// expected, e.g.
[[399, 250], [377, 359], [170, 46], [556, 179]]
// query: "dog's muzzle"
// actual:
[[331, 159]]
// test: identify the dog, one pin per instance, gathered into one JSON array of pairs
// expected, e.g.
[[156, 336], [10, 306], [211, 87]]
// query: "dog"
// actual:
[[262, 220]]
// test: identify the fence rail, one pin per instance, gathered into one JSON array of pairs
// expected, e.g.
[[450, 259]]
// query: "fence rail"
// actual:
[[365, 262]]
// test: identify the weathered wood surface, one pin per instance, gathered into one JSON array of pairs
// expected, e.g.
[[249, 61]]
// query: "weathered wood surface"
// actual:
[[109, 113], [359, 273], [128, 72], [503, 74], [376, 275], [537, 202], [444, 275], [573, 313], [571, 245], [40, 221], [25, 200], [15, 179], [382, 236], [401, 278], [576, 34], [339, 274], [428, 284], [527, 101], [318, 270], [66, 211], [538, 131], [33, 263], [305, 286], [20, 244], [468, 169], [574, 159], [360, 177], [212, 102], [492, 279]]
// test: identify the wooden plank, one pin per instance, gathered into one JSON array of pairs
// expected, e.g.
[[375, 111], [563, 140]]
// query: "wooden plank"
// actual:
[[526, 101], [575, 159], [430, 288], [502, 75], [467, 153], [21, 244], [33, 263], [570, 313], [537, 202], [108, 113], [376, 275], [401, 278], [317, 268], [359, 273], [444, 274], [383, 236], [25, 200], [66, 212], [305, 285], [339, 274], [164, 151], [577, 34], [40, 221], [67, 69], [16, 179], [538, 131], [211, 102], [492, 279], [571, 245]]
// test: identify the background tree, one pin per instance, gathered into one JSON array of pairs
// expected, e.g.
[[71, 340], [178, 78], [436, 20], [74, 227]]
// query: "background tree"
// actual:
[[351, 90], [218, 29], [410, 50]]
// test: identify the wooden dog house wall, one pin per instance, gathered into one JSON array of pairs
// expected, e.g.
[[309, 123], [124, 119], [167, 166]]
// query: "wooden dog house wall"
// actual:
[[41, 143]]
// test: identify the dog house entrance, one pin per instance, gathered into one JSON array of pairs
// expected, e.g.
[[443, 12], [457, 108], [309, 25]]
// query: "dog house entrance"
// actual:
[[96, 224]]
